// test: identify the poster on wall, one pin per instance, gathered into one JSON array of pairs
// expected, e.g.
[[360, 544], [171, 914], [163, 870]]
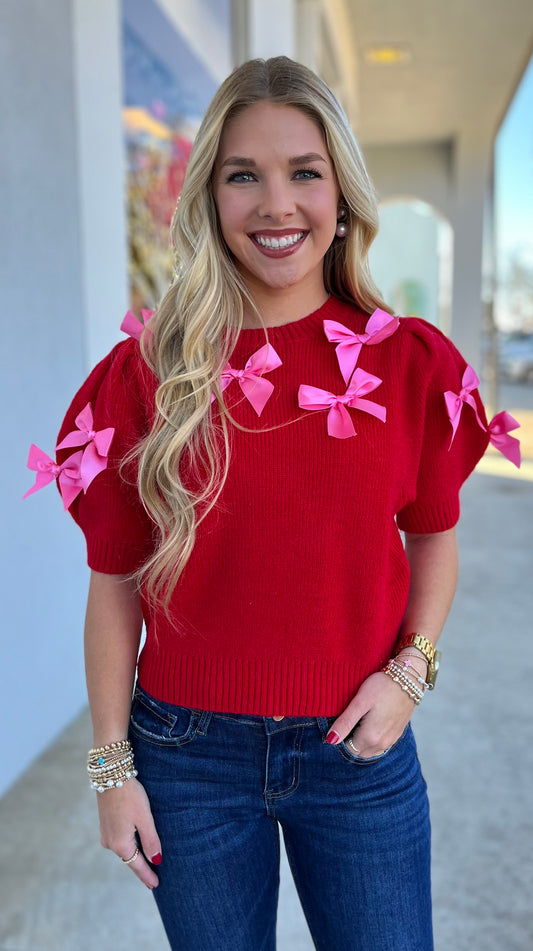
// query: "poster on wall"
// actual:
[[166, 91]]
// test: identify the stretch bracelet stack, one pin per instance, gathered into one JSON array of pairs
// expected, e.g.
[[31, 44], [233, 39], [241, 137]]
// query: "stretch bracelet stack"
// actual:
[[399, 673], [111, 766]]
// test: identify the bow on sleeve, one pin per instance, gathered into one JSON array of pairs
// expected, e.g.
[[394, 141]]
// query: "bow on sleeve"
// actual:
[[94, 459], [133, 327], [255, 388], [499, 428], [67, 474], [455, 401], [380, 326], [340, 424]]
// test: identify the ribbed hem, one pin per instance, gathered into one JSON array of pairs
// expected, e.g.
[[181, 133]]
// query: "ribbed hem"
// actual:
[[437, 517], [112, 557], [258, 687]]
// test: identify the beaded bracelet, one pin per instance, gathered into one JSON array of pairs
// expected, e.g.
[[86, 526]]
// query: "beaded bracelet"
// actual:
[[396, 672], [111, 766]]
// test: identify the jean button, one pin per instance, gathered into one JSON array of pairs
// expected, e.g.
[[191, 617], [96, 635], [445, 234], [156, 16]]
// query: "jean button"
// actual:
[[278, 719]]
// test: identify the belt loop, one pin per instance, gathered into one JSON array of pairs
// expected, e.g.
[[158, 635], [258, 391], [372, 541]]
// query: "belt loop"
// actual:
[[204, 721]]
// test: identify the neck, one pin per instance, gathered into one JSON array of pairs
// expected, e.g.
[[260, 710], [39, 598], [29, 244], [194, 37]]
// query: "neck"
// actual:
[[282, 306]]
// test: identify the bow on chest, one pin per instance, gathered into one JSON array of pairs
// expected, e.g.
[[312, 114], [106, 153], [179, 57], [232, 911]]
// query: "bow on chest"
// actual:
[[255, 388], [349, 344]]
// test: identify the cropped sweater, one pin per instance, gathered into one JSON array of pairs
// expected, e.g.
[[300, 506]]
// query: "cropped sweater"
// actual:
[[298, 580]]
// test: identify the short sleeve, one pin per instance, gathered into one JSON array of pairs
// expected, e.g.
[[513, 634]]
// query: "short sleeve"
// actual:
[[118, 531], [435, 367]]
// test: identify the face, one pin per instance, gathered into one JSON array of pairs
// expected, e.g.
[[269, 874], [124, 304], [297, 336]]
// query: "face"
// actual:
[[277, 197]]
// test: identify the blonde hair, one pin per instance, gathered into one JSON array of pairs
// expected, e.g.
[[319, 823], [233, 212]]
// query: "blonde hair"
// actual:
[[183, 462]]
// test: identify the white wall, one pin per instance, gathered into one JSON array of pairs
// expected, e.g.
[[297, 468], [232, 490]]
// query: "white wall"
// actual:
[[42, 301], [62, 283]]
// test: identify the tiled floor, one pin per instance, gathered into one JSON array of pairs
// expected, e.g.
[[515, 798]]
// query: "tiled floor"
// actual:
[[61, 892]]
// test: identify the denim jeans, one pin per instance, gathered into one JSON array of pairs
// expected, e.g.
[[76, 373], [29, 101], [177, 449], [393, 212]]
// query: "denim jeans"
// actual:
[[356, 831]]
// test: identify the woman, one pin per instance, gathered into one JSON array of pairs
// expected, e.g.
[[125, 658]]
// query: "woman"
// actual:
[[247, 468]]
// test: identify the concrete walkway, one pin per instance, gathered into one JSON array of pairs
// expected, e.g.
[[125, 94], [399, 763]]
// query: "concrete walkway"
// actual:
[[61, 892]]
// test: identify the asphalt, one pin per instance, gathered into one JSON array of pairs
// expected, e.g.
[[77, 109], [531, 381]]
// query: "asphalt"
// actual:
[[61, 892]]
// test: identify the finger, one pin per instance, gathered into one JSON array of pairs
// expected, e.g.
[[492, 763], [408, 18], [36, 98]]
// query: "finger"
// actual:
[[132, 857], [150, 841], [346, 721]]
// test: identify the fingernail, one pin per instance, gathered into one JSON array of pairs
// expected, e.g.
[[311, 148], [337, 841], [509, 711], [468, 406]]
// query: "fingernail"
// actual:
[[332, 737], [156, 859]]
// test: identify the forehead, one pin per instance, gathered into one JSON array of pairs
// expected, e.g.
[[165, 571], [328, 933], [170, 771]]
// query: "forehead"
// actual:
[[266, 127]]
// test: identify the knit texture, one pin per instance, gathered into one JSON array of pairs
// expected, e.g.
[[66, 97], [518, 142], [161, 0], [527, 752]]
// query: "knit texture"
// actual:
[[298, 581]]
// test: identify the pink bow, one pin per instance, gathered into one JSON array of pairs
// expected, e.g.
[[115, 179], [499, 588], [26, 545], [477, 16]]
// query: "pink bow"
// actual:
[[133, 327], [68, 474], [339, 421], [499, 428], [455, 401], [380, 326], [256, 389], [96, 452]]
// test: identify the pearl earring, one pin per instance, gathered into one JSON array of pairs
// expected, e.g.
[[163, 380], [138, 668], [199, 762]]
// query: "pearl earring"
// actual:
[[341, 230]]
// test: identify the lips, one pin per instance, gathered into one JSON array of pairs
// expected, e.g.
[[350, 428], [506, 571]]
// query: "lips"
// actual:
[[276, 243]]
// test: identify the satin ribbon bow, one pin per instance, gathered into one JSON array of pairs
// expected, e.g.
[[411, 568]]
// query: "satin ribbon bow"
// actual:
[[339, 421], [380, 326], [67, 474], [133, 327], [499, 428], [256, 389], [96, 452], [456, 401]]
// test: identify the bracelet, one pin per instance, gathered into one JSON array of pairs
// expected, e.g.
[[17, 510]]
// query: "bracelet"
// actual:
[[396, 672], [411, 670], [111, 766]]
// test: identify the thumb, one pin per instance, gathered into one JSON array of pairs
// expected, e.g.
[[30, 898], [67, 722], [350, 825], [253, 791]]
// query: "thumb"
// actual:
[[150, 841]]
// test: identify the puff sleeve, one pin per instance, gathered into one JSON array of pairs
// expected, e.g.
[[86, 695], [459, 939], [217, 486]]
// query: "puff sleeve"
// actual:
[[120, 391], [441, 457]]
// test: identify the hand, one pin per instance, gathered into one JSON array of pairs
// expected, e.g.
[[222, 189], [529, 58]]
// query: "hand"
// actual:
[[124, 812], [381, 710]]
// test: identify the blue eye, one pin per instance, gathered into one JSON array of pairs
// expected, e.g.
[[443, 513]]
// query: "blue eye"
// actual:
[[240, 177], [307, 174]]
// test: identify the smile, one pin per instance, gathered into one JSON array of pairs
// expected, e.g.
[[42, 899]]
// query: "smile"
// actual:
[[285, 241]]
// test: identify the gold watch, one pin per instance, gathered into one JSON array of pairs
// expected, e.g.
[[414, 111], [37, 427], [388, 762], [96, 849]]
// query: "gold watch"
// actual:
[[430, 652]]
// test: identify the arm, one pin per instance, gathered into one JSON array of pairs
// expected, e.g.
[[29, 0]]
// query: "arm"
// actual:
[[113, 628], [380, 707]]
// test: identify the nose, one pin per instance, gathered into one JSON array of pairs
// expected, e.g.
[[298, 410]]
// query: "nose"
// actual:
[[276, 200]]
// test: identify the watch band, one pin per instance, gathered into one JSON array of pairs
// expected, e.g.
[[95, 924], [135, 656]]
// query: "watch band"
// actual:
[[427, 648]]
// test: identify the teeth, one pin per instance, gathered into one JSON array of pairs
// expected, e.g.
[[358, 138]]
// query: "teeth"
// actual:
[[285, 242]]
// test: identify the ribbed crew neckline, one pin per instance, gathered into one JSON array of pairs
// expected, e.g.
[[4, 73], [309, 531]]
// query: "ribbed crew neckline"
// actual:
[[309, 326]]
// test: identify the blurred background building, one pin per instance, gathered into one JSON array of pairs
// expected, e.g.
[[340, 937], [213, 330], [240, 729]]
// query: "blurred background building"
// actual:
[[101, 102]]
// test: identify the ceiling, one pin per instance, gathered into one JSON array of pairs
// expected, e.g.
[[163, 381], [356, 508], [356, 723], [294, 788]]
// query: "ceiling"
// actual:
[[465, 60]]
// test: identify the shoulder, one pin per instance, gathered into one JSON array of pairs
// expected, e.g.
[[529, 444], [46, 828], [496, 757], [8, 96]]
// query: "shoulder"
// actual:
[[430, 349], [120, 389]]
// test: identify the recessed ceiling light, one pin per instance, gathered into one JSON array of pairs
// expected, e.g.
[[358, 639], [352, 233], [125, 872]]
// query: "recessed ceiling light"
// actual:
[[389, 54]]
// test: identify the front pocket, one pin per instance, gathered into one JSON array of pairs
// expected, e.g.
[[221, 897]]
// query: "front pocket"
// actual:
[[346, 751], [160, 723]]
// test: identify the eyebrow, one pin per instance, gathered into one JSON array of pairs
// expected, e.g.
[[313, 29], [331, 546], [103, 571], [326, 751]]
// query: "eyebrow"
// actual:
[[242, 162]]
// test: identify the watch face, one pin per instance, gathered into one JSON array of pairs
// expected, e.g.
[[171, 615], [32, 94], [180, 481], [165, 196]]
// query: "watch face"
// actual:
[[433, 669]]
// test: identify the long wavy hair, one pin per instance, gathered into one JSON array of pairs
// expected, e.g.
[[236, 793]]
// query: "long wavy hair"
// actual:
[[183, 462]]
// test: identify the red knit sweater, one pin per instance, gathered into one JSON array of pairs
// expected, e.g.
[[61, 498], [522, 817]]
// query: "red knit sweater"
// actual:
[[298, 580]]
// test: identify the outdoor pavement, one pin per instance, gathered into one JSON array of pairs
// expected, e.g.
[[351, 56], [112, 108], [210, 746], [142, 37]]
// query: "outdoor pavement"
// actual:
[[59, 891]]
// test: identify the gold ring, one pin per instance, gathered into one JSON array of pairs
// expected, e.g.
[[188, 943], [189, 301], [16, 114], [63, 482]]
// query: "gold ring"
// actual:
[[134, 856], [354, 748]]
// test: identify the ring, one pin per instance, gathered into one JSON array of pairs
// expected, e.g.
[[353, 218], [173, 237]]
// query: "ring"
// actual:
[[134, 856], [354, 748]]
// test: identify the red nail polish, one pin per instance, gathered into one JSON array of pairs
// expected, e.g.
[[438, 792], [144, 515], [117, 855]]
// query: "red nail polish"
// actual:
[[332, 737], [156, 859]]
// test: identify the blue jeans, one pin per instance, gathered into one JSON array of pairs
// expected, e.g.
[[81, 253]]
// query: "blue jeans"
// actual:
[[356, 831]]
